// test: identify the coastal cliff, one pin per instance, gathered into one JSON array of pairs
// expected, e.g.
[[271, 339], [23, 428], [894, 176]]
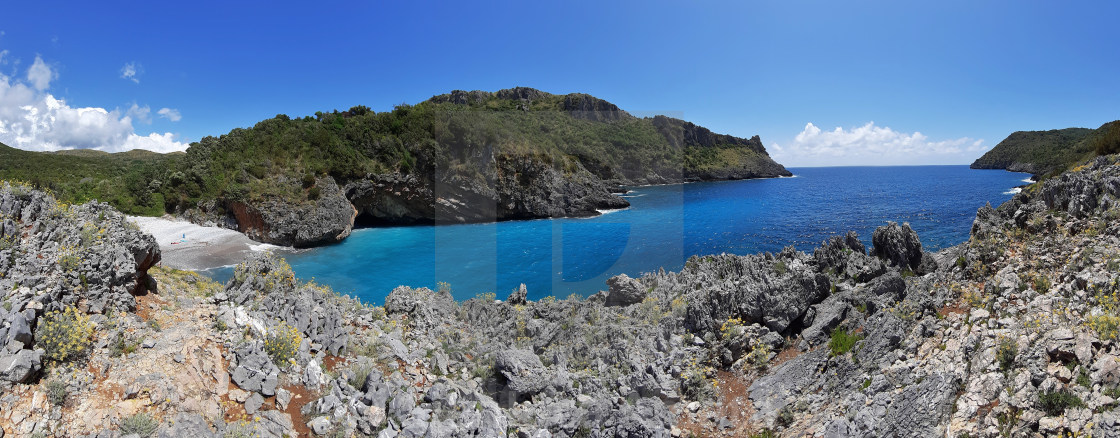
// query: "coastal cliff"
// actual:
[[1011, 333], [1043, 153], [465, 156], [456, 158]]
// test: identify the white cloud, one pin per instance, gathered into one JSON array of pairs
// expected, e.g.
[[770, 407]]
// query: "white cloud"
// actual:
[[33, 119], [162, 143], [132, 71], [40, 74], [872, 145], [139, 113], [3, 53], [170, 114]]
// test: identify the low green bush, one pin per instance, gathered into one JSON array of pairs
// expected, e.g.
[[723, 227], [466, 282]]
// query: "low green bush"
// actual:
[[1054, 403], [842, 342]]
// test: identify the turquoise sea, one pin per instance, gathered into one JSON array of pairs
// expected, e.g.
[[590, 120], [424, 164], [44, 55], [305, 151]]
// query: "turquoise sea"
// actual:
[[662, 228]]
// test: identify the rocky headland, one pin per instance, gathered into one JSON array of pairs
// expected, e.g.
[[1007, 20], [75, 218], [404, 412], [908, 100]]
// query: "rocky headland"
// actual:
[[465, 156], [1045, 153], [1013, 333]]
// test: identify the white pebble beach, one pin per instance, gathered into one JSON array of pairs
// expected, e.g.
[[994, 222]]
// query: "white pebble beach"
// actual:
[[185, 245]]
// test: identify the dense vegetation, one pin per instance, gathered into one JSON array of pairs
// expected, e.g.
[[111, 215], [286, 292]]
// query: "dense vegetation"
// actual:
[[128, 180], [1050, 152], [1108, 142], [451, 137]]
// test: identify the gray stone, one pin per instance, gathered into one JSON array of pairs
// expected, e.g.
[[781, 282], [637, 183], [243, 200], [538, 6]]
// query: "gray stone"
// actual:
[[320, 425], [523, 370], [897, 244], [283, 397], [624, 291], [20, 367], [517, 297], [255, 371], [19, 329], [253, 404], [414, 428], [828, 315], [187, 424]]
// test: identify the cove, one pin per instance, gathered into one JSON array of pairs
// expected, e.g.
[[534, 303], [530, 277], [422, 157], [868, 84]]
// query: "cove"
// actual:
[[662, 228]]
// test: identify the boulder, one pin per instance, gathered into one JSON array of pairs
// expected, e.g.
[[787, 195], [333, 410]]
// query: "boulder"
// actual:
[[255, 371], [523, 369], [899, 245], [517, 297], [19, 329], [624, 291], [21, 366]]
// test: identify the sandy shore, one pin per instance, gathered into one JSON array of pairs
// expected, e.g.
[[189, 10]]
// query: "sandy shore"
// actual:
[[188, 246]]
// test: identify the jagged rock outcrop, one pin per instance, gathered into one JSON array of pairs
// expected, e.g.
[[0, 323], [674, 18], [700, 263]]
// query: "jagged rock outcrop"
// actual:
[[268, 286], [54, 256], [899, 245], [772, 290], [624, 291], [324, 218]]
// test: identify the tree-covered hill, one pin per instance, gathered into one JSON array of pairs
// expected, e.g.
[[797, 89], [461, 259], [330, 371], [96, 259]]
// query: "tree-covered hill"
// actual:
[[76, 176], [457, 157], [1048, 152]]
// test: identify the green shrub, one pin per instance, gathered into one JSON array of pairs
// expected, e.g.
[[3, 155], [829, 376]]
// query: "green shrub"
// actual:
[[780, 267], [484, 369], [141, 424], [1006, 352], [764, 433], [1056, 402], [1083, 378], [122, 347], [56, 392], [842, 342], [1109, 141], [282, 343], [220, 325], [64, 335], [1041, 284], [785, 416], [358, 375]]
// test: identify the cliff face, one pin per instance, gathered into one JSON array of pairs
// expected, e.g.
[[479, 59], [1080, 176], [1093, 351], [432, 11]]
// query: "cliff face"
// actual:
[[513, 188]]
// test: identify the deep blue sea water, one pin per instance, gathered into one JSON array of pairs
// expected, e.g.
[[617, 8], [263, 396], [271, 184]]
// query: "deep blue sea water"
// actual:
[[662, 228]]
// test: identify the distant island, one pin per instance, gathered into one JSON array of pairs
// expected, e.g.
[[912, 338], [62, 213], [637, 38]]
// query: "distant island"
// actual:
[[1050, 152], [466, 156]]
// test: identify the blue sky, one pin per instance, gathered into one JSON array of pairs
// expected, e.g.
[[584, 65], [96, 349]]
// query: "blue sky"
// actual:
[[880, 82]]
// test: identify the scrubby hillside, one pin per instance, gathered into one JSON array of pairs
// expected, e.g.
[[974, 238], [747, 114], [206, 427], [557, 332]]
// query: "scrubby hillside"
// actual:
[[123, 180], [1046, 152], [459, 157]]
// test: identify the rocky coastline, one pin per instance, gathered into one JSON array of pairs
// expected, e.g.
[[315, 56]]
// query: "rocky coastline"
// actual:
[[464, 176], [1013, 333]]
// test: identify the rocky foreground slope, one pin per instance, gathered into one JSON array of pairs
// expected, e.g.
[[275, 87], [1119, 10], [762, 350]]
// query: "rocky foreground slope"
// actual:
[[1013, 333]]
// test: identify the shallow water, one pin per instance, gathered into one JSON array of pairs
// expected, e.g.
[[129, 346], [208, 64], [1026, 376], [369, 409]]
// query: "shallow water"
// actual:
[[664, 225]]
